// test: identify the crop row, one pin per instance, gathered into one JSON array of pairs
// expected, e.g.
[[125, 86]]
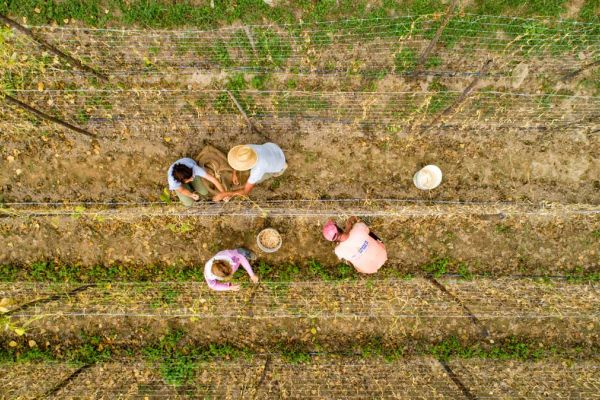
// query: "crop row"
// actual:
[[502, 240], [478, 164], [330, 313], [359, 47], [107, 112], [325, 377]]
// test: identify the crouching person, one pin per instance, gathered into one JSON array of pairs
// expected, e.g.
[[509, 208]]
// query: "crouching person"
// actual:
[[224, 264], [357, 245], [264, 161], [186, 179]]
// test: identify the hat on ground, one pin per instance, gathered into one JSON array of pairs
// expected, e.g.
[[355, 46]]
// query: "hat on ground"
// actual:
[[429, 177], [330, 230], [242, 157]]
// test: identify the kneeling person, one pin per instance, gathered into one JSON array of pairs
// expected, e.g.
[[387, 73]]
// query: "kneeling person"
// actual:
[[263, 160], [357, 245], [224, 264], [185, 178]]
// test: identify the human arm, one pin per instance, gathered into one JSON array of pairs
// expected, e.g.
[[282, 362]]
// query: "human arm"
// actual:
[[349, 223], [222, 286], [243, 261], [214, 181], [182, 190], [245, 191], [234, 178]]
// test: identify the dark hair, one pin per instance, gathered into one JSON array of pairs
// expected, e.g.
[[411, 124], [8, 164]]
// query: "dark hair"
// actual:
[[339, 232], [181, 173], [222, 269]]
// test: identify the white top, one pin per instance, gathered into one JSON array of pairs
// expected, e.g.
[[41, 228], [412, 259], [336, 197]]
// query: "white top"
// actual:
[[188, 162], [271, 160]]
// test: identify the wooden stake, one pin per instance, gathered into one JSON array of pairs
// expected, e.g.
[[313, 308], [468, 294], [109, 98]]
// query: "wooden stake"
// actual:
[[47, 117], [78, 64], [251, 40], [463, 95], [425, 54], [573, 74], [241, 110]]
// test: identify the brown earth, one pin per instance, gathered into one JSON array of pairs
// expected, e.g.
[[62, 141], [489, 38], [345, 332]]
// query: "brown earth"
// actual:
[[331, 160], [325, 376], [501, 241], [327, 315]]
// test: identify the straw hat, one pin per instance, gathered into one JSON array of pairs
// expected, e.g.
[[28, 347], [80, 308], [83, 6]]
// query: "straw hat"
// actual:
[[242, 157], [429, 177]]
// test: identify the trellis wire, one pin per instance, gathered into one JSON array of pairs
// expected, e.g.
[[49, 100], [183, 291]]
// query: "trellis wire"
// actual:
[[488, 299], [313, 208], [117, 109], [418, 376], [547, 36]]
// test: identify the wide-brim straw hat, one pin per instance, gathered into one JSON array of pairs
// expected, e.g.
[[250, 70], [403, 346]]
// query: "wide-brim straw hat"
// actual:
[[427, 178], [242, 157]]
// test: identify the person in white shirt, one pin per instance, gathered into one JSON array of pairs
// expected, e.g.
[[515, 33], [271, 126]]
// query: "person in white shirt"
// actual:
[[263, 160], [185, 177]]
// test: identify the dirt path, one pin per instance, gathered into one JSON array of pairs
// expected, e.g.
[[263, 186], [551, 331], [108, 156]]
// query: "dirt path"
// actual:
[[397, 311], [331, 376], [326, 160], [486, 239]]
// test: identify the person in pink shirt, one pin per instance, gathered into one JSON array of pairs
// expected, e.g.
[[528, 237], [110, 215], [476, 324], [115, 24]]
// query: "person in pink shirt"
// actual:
[[357, 245], [224, 264]]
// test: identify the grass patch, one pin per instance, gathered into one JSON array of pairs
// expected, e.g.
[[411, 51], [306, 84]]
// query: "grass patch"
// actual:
[[578, 275], [220, 55], [176, 367], [289, 272], [441, 100], [437, 268], [590, 11], [510, 349], [178, 360], [317, 270], [51, 272], [177, 357], [297, 105], [405, 60], [270, 48], [294, 355], [310, 270], [503, 229], [552, 8], [260, 81], [464, 272], [161, 14]]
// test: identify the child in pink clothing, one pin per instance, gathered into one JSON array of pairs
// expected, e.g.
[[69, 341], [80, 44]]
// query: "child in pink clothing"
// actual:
[[223, 265], [357, 245]]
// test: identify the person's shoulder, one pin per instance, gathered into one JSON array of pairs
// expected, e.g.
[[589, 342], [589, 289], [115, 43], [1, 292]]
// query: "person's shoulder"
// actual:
[[359, 227], [186, 160], [200, 171], [272, 145], [338, 250]]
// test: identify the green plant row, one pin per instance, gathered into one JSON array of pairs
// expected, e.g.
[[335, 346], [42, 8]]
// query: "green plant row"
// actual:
[[177, 359], [162, 13], [307, 270]]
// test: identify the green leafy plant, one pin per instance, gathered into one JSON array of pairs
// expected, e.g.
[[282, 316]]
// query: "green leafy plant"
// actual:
[[405, 60], [437, 268], [318, 270], [165, 196], [464, 272]]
